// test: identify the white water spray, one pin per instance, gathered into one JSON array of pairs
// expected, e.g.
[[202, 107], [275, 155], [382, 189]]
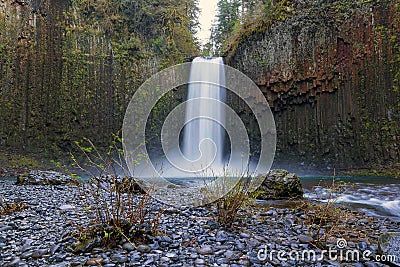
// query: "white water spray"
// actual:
[[205, 137]]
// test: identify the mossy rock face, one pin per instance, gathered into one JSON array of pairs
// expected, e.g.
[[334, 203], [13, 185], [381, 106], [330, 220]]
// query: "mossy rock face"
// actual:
[[389, 244], [280, 184], [35, 177]]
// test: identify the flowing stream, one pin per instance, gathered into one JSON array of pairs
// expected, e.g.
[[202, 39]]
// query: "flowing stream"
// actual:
[[378, 196]]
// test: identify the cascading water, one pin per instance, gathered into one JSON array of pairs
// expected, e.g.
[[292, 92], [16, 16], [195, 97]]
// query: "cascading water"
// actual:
[[207, 81]]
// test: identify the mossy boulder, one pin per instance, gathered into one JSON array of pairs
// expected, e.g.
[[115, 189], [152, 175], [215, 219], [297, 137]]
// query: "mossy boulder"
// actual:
[[123, 184], [36, 177], [128, 185], [279, 184]]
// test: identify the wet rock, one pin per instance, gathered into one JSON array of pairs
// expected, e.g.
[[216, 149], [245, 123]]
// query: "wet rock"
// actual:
[[279, 184]]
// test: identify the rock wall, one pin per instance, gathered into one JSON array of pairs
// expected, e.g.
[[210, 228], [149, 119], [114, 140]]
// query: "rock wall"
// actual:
[[330, 71], [68, 69]]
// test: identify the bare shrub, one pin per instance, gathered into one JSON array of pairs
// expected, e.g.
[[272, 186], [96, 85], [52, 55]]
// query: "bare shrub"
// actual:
[[118, 209], [228, 205]]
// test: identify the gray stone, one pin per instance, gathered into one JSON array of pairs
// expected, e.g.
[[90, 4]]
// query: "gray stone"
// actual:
[[231, 255], [143, 248], [5, 228], [305, 239], [172, 256], [212, 224], [194, 256], [205, 250], [199, 262], [244, 235], [128, 246], [26, 255], [39, 253], [15, 262], [362, 245], [221, 236], [253, 242], [66, 207], [119, 258], [164, 259]]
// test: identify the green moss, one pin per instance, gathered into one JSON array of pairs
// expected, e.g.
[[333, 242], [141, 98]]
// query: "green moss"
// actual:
[[272, 14], [17, 161], [393, 171]]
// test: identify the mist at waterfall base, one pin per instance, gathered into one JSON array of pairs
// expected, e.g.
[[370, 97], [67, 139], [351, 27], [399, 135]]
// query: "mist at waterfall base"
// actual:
[[203, 140]]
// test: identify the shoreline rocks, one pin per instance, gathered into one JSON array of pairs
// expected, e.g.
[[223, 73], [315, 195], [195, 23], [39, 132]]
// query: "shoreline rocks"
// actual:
[[37, 177], [389, 245], [41, 235]]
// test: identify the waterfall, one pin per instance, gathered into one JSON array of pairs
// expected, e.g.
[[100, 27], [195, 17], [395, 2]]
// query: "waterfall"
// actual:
[[207, 81]]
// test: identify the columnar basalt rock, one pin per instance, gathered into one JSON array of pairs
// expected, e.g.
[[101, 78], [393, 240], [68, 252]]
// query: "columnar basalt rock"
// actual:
[[330, 72]]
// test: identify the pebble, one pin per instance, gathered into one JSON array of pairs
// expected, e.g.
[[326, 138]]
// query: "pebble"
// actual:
[[199, 262], [119, 258], [128, 247], [205, 250], [94, 262], [5, 228], [143, 248], [66, 207], [39, 253], [305, 239], [40, 235]]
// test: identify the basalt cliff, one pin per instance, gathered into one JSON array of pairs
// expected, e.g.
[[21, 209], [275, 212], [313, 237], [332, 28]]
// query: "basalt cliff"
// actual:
[[330, 71]]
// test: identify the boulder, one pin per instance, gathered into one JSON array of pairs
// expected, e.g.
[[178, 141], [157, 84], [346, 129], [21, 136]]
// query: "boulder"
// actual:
[[116, 183], [36, 177], [279, 184], [128, 185], [389, 246]]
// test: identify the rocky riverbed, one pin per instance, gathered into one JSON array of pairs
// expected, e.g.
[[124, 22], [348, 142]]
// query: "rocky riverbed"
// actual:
[[40, 235]]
